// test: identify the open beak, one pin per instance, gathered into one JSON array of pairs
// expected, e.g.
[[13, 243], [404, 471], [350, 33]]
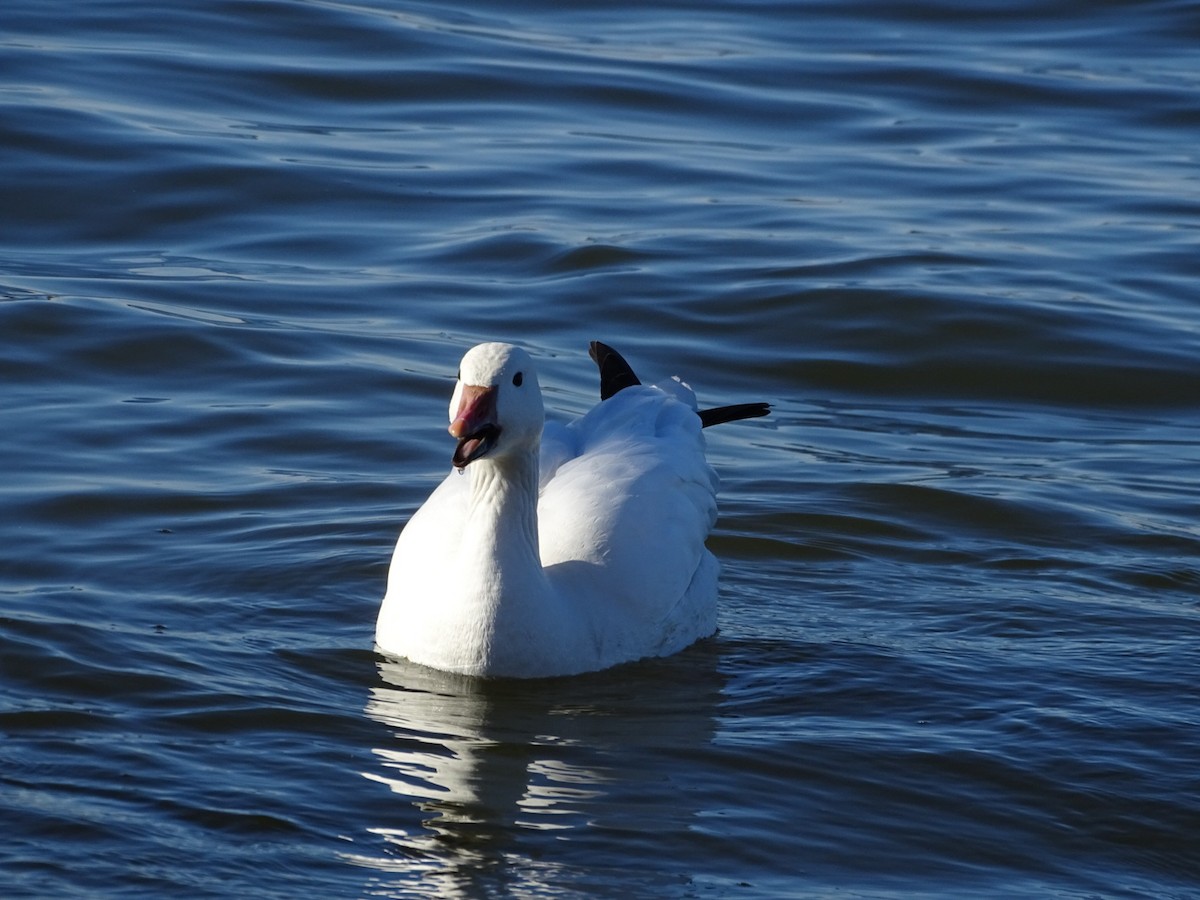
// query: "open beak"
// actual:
[[474, 424]]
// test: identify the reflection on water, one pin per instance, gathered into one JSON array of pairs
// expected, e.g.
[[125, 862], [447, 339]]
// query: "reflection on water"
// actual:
[[486, 763]]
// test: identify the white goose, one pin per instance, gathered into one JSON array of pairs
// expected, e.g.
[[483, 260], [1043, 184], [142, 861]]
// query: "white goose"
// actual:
[[552, 549]]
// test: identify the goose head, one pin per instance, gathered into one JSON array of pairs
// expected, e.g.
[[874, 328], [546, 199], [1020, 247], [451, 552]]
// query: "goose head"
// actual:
[[496, 410]]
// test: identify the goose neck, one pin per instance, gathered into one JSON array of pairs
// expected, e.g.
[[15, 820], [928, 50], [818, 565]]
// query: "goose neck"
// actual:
[[503, 507]]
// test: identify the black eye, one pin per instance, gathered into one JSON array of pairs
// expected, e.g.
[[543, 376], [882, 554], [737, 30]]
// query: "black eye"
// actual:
[[518, 378]]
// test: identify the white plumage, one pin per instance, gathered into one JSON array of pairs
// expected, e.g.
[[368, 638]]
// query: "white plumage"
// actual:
[[558, 549]]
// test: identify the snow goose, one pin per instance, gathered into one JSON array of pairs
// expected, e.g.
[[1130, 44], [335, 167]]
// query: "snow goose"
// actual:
[[556, 549]]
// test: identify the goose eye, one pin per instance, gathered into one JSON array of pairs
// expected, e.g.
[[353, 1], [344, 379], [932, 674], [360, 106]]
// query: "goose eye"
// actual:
[[518, 378]]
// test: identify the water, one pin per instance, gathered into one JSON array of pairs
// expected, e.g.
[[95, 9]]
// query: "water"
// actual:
[[242, 248]]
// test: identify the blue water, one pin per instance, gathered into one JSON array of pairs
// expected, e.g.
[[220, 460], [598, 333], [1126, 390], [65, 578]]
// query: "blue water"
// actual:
[[243, 245]]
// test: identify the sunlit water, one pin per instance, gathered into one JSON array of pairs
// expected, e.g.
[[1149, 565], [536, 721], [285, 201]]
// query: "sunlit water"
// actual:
[[243, 246]]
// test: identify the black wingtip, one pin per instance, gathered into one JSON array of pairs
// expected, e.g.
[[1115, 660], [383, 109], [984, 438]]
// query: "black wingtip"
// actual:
[[615, 373], [723, 414]]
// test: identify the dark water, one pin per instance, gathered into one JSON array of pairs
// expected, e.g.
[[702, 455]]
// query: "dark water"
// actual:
[[242, 247]]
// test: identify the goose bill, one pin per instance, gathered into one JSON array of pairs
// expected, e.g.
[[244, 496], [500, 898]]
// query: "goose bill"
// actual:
[[474, 424]]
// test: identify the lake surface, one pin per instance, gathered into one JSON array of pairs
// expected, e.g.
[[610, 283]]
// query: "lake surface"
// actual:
[[243, 246]]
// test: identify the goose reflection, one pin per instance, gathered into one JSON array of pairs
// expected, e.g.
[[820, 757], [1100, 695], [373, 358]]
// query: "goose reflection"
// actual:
[[507, 782]]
